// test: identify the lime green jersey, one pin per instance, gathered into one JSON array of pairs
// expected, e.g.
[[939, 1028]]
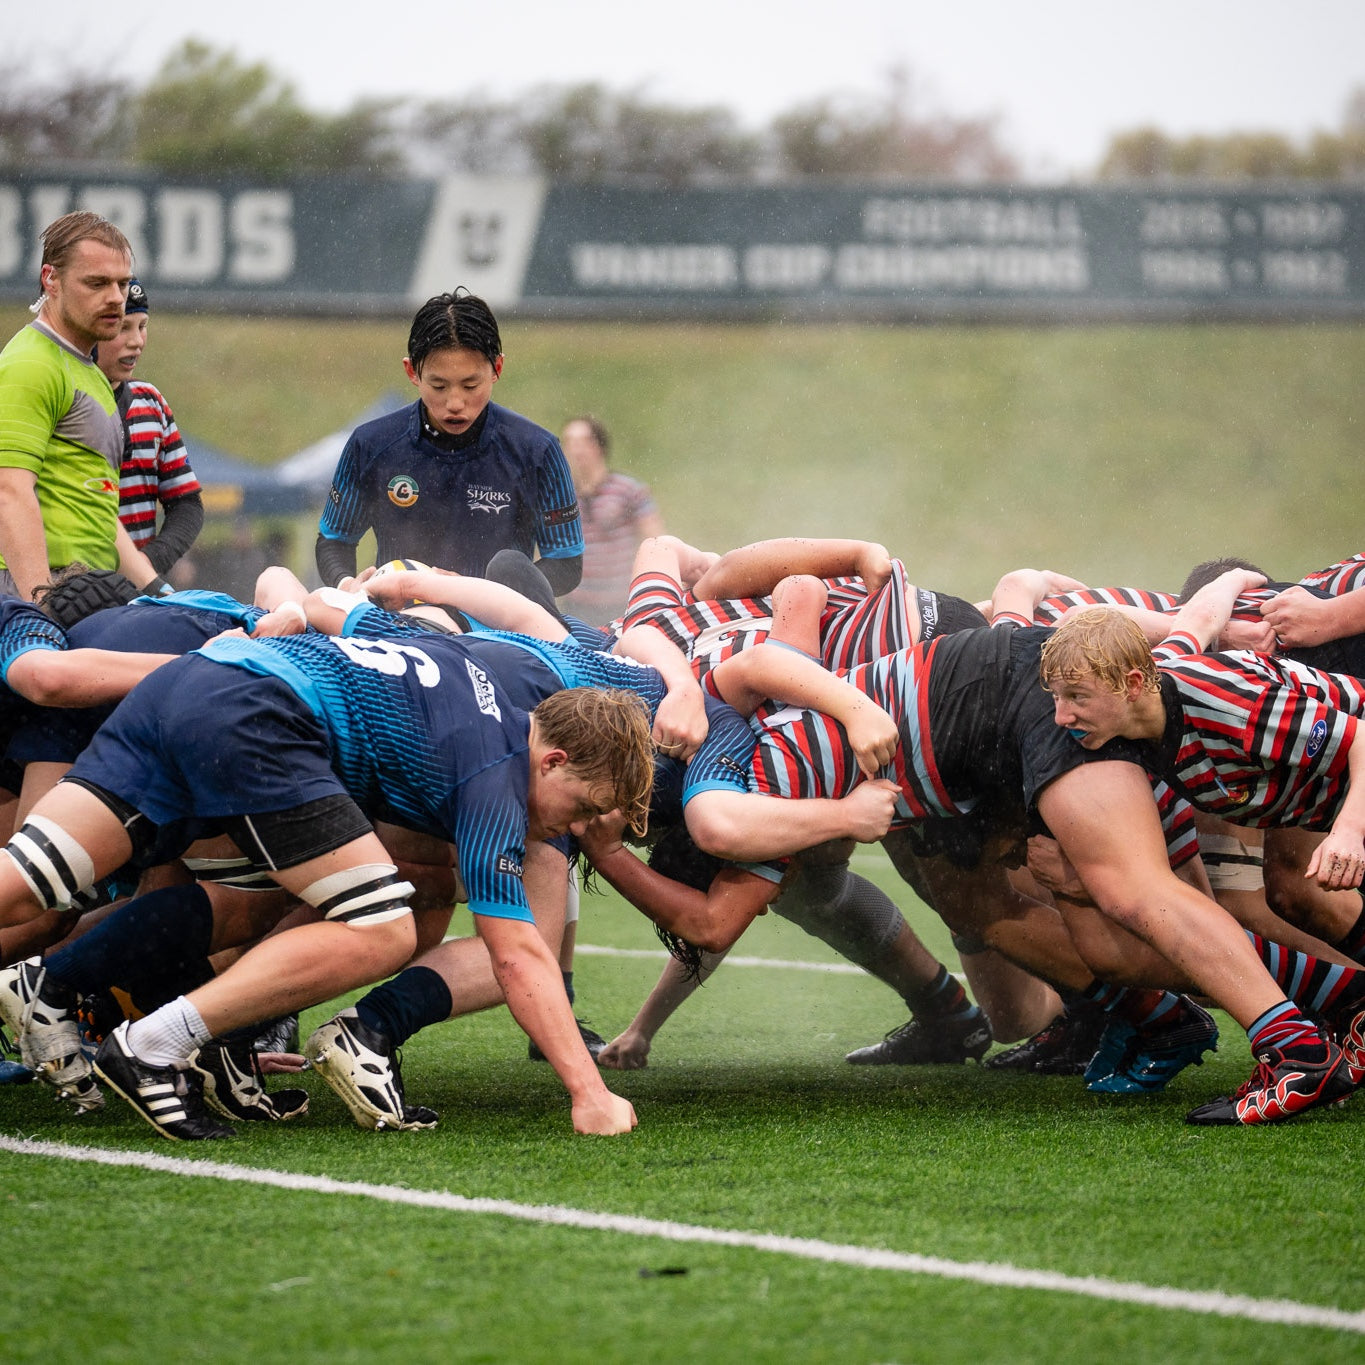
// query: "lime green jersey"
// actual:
[[58, 419]]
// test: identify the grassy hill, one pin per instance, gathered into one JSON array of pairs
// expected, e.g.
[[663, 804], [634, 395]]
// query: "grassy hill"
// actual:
[[1119, 454]]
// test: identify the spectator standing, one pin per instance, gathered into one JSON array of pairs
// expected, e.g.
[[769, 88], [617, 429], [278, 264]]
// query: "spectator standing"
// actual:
[[155, 470], [618, 512], [61, 440]]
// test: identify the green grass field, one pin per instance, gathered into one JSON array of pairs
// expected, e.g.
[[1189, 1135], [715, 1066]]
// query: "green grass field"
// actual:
[[749, 1121], [1122, 455]]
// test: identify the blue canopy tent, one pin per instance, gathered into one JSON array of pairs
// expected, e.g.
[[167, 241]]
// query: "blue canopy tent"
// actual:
[[234, 487], [311, 468]]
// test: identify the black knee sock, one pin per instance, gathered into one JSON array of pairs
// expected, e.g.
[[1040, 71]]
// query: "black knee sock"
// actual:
[[399, 1008], [155, 947]]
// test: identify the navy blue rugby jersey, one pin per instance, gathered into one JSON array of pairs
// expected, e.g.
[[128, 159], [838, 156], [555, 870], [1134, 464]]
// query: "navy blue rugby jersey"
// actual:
[[431, 744], [175, 624], [511, 489], [723, 763]]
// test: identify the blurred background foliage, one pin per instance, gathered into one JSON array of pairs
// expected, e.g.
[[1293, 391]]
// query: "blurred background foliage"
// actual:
[[206, 108]]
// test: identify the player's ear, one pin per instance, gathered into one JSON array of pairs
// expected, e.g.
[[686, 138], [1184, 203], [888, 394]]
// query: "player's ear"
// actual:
[[497, 367], [409, 370]]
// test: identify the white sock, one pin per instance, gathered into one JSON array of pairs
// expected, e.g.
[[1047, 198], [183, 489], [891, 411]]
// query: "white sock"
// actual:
[[168, 1036]]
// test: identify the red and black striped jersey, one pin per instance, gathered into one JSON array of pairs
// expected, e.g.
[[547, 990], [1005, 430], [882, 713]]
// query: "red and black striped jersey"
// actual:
[[1342, 577], [156, 467], [706, 631], [1258, 740], [1051, 609], [803, 753], [806, 753], [856, 626]]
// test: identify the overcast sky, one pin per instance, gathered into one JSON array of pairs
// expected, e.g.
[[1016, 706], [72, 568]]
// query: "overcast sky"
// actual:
[[1062, 75]]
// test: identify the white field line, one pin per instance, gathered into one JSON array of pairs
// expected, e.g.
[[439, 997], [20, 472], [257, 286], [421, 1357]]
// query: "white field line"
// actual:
[[1283, 1311], [658, 955]]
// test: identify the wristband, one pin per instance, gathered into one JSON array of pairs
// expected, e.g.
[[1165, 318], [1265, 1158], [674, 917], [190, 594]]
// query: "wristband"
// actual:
[[158, 587]]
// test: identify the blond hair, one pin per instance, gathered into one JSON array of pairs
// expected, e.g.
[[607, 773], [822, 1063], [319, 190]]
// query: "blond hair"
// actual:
[[606, 734], [1099, 643]]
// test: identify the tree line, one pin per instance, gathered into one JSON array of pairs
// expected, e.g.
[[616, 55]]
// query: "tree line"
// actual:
[[206, 109]]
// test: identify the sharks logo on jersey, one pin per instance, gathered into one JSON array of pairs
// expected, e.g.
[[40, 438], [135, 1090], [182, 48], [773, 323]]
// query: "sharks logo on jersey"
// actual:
[[484, 499]]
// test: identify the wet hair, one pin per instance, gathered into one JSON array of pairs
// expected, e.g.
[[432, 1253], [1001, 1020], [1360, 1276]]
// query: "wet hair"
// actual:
[[63, 235], [78, 591], [598, 429], [1102, 643], [458, 321], [606, 734], [1204, 574]]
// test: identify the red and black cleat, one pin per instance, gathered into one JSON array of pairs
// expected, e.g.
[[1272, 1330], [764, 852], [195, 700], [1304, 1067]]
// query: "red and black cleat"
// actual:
[[1285, 1082]]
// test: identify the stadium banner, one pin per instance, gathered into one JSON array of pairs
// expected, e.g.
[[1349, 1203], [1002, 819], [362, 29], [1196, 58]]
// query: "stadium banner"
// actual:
[[539, 249]]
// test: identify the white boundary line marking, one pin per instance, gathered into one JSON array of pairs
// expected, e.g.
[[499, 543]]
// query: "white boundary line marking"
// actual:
[[1283, 1311], [658, 955]]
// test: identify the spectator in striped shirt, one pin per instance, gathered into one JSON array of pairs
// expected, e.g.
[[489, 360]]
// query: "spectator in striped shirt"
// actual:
[[618, 513], [155, 472]]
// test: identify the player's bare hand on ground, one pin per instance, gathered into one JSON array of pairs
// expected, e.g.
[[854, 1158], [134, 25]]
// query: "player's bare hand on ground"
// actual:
[[604, 1115], [628, 1052]]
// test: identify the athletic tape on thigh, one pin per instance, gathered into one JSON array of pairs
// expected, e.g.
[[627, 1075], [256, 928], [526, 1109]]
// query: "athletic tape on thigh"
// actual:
[[240, 872], [53, 864], [1231, 864], [368, 894]]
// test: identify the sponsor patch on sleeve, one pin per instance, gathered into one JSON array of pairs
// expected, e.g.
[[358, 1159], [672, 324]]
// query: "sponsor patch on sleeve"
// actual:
[[558, 516]]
